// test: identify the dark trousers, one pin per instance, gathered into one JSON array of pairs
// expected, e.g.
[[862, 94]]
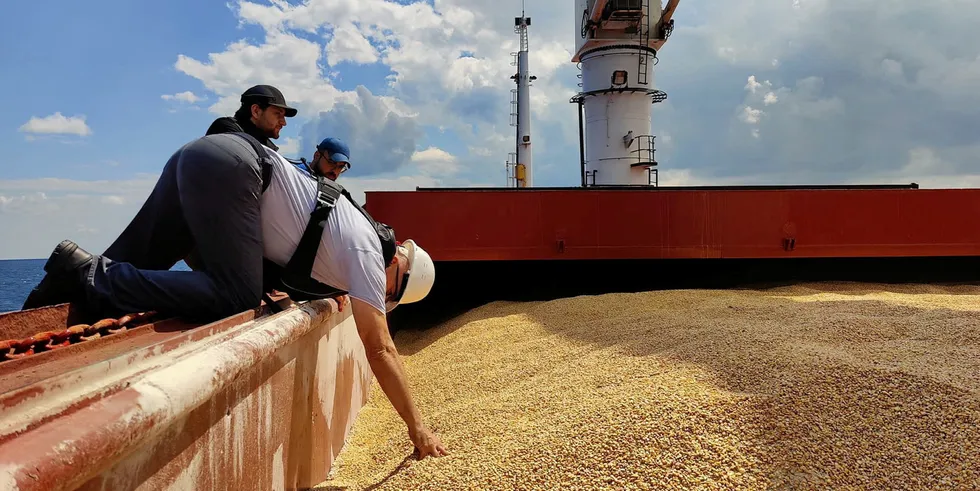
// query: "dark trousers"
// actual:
[[206, 200]]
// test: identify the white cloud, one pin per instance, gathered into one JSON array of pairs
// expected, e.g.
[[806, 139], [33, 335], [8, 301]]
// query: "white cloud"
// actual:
[[750, 115], [450, 65], [57, 124], [380, 139], [23, 203], [796, 105], [358, 185], [480, 151], [183, 101], [290, 148], [186, 96], [291, 63], [435, 161], [140, 182], [925, 161], [932, 168], [348, 44], [690, 177], [754, 86], [37, 214]]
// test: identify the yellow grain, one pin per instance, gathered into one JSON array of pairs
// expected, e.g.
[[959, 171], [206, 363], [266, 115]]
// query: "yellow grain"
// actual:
[[814, 386]]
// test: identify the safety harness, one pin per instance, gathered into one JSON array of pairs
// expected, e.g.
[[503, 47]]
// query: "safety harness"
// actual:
[[296, 278]]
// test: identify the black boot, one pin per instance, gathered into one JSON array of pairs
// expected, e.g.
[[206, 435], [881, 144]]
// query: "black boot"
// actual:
[[64, 279]]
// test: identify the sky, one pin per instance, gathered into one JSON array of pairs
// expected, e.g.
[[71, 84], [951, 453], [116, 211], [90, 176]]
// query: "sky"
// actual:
[[759, 92]]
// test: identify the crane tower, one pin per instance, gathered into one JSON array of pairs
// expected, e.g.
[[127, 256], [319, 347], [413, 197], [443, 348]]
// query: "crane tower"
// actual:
[[519, 171], [616, 48]]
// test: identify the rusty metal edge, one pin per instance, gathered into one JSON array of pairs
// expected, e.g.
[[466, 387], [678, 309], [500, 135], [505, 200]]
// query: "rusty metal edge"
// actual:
[[71, 449], [24, 323], [129, 364], [23, 372], [53, 396]]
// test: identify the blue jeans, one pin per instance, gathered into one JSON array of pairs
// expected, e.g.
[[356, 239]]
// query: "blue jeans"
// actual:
[[206, 200]]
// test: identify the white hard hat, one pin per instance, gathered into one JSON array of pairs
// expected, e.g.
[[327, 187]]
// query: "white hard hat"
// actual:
[[419, 277]]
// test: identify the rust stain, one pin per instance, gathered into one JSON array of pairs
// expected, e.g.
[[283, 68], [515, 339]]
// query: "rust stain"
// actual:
[[24, 323], [29, 369], [342, 398], [154, 340], [228, 405]]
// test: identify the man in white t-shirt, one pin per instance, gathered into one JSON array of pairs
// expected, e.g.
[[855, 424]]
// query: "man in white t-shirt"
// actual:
[[349, 257]]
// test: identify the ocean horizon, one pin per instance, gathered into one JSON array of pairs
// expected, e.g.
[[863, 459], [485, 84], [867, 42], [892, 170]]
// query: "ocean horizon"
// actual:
[[19, 276]]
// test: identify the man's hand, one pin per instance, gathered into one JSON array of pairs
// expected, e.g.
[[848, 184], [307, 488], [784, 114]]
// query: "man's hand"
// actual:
[[372, 327], [342, 301], [427, 443]]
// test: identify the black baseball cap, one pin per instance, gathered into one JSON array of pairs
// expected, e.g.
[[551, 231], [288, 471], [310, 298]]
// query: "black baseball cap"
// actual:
[[270, 93]]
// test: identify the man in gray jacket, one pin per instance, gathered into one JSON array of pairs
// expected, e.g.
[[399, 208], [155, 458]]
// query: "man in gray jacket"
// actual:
[[207, 201]]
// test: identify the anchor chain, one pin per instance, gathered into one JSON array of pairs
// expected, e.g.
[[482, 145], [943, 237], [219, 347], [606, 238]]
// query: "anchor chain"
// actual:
[[13, 349]]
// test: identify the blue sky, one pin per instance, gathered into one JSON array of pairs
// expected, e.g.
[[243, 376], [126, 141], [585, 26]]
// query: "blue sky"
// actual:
[[110, 61], [763, 91]]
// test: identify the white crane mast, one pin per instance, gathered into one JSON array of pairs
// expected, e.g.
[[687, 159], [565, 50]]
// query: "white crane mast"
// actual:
[[616, 47]]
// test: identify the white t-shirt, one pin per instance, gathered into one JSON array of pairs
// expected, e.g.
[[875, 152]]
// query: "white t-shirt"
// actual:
[[349, 256]]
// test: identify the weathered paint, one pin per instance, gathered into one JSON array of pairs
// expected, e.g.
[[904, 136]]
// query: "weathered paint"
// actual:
[[24, 323], [85, 344], [253, 404]]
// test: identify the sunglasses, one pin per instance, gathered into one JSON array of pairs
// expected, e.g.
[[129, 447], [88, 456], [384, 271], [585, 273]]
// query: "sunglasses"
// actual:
[[391, 303], [342, 165]]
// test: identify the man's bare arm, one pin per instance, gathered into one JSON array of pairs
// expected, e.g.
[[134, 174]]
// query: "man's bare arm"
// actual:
[[372, 327]]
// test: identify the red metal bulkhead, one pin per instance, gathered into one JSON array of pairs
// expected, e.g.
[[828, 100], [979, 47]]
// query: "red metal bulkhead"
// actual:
[[504, 224]]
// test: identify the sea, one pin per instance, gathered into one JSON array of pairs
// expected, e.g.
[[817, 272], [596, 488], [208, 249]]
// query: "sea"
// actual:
[[19, 276]]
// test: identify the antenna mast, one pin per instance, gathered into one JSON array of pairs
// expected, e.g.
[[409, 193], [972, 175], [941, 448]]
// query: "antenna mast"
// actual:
[[519, 163]]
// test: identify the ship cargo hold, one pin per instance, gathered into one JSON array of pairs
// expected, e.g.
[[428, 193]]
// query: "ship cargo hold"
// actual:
[[620, 230], [265, 399]]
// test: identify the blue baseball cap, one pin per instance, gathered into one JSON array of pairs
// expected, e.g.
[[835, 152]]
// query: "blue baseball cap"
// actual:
[[335, 149]]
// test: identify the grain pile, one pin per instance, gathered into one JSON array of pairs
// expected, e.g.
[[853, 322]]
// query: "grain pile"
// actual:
[[805, 387]]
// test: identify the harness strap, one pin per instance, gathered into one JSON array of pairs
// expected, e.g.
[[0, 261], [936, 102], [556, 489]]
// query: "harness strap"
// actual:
[[385, 233], [264, 159], [298, 272], [296, 279]]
